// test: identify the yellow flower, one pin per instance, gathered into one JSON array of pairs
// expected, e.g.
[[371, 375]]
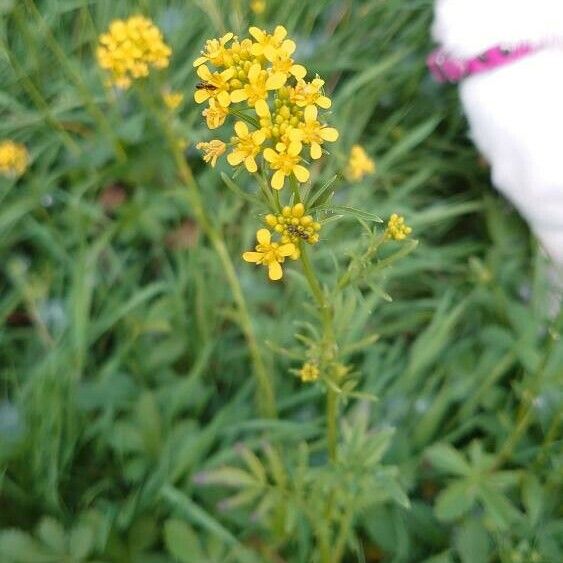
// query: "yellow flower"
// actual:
[[309, 373], [285, 161], [294, 226], [259, 82], [270, 254], [214, 52], [258, 6], [173, 100], [215, 85], [130, 48], [359, 164], [264, 39], [282, 62], [215, 114], [310, 93], [311, 132], [13, 159], [246, 147], [396, 228], [212, 151]]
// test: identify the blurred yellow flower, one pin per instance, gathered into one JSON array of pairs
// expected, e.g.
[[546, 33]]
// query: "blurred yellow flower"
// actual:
[[246, 147], [309, 373], [396, 228], [359, 164], [258, 6], [173, 100], [13, 159], [212, 150], [285, 161], [270, 254], [130, 49]]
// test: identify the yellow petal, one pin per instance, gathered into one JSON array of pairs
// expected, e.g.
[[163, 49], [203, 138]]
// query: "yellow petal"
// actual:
[[311, 113], [263, 236], [286, 249], [226, 75], [201, 96], [316, 151], [204, 73], [199, 61], [254, 72], [278, 180], [241, 129], [270, 155], [301, 173], [299, 71], [261, 108], [238, 96], [258, 137], [329, 134], [252, 257], [289, 47], [280, 32], [294, 148], [295, 135], [324, 102], [271, 53], [235, 158], [224, 99], [276, 81], [275, 271], [250, 164], [256, 32]]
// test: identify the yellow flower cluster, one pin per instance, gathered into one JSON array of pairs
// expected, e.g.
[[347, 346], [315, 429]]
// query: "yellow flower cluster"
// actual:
[[396, 228], [359, 164], [294, 226], [309, 373], [130, 49], [257, 81], [13, 159]]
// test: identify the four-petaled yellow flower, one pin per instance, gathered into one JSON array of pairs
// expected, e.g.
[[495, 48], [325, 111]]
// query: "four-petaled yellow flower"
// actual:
[[246, 146], [130, 49], [359, 164], [264, 40], [215, 51], [173, 100], [312, 132], [13, 159], [270, 254], [285, 161], [281, 60], [310, 93], [396, 228], [309, 373], [215, 114], [215, 85], [212, 150]]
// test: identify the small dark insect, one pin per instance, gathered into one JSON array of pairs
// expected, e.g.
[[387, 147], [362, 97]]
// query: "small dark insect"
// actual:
[[205, 86], [295, 231]]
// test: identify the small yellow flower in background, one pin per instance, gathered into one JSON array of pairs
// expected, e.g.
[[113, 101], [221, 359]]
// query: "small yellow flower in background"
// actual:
[[270, 254], [212, 150], [246, 147], [173, 100], [396, 228], [285, 161], [294, 226], [313, 133], [130, 49], [215, 114], [359, 164], [258, 6], [309, 373], [13, 159]]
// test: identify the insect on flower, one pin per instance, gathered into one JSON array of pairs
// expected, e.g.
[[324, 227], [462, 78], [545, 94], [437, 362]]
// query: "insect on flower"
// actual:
[[205, 86]]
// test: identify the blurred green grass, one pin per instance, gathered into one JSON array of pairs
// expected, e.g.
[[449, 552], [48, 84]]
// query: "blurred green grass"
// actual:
[[123, 371]]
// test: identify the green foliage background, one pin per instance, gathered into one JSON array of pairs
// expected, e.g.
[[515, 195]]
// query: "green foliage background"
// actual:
[[125, 381]]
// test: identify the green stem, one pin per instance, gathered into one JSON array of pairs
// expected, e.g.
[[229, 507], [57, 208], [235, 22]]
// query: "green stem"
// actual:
[[266, 396]]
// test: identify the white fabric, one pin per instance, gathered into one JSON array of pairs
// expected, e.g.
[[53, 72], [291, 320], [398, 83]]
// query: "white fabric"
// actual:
[[515, 112]]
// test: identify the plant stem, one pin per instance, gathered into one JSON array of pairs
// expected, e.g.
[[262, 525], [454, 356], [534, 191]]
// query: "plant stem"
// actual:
[[266, 396]]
